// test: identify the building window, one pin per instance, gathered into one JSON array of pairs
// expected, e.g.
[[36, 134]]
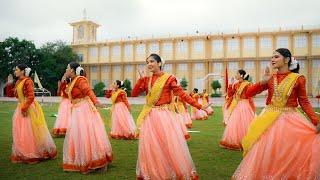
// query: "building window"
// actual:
[[283, 42], [128, 50], [233, 44], [249, 65], [182, 47], [141, 49], [128, 68], [316, 40], [154, 48], [198, 83], [198, 66], [80, 32], [94, 82], [300, 41], [183, 67], [80, 57], [93, 52], [249, 43], [105, 51], [106, 82], [217, 45], [167, 48], [105, 69], [265, 43], [116, 51], [168, 67], [233, 66], [198, 46], [116, 68], [93, 69], [217, 67]]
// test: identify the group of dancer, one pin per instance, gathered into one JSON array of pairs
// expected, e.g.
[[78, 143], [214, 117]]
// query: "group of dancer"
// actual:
[[280, 143]]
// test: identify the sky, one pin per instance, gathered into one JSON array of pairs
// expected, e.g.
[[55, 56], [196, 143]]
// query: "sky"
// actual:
[[43, 21]]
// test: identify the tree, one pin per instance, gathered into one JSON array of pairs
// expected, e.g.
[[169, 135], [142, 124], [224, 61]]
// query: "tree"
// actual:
[[55, 56], [184, 83], [13, 52], [215, 84], [127, 86], [99, 89]]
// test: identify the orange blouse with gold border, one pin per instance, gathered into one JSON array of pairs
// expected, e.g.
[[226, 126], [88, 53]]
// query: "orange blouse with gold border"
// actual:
[[166, 95], [122, 97], [298, 94], [28, 92]]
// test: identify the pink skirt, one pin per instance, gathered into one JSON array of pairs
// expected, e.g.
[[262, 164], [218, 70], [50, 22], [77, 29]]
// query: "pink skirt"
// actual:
[[209, 110], [86, 145], [225, 114], [238, 125], [25, 148], [184, 129], [123, 126], [187, 119], [289, 149], [198, 114], [163, 151], [63, 119]]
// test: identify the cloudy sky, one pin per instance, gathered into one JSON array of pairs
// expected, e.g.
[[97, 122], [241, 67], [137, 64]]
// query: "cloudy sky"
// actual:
[[47, 20]]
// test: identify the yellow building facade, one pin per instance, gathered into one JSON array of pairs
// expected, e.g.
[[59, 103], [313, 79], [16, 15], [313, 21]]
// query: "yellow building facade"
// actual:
[[193, 57]]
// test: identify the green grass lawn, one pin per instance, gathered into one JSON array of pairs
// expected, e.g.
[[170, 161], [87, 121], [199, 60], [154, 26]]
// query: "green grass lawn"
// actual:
[[212, 162]]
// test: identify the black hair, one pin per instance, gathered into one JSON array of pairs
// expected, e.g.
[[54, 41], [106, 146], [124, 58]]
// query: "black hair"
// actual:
[[243, 74], [23, 67], [287, 54], [118, 82], [195, 90], [74, 66], [156, 57]]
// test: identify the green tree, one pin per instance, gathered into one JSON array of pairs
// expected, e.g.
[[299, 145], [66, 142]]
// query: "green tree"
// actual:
[[13, 52], [127, 86], [99, 89], [55, 56], [184, 83], [215, 84]]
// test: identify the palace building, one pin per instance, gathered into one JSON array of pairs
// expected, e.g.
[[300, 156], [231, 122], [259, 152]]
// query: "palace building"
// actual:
[[193, 57]]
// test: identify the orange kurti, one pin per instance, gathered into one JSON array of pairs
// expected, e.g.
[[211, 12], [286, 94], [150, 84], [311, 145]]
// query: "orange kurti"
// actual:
[[166, 95], [232, 90], [81, 89], [298, 94], [122, 97], [62, 90], [28, 92]]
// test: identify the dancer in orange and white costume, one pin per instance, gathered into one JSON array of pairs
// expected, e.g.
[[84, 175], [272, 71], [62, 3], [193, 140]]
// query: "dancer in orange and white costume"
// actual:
[[32, 141], [123, 126], [86, 146], [163, 151], [205, 101], [240, 113], [64, 112], [281, 143], [197, 114]]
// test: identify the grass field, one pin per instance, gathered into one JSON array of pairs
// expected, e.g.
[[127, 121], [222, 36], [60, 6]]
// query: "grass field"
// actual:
[[212, 162]]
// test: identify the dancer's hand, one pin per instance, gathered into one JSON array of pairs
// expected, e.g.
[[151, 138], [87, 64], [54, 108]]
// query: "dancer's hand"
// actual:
[[142, 72], [24, 113], [267, 75], [232, 80], [318, 128], [206, 106]]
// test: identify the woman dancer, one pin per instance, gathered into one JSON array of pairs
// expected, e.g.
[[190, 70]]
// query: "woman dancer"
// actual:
[[32, 141], [281, 143], [197, 114], [64, 112], [163, 151], [86, 145], [205, 101], [240, 113], [123, 126]]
